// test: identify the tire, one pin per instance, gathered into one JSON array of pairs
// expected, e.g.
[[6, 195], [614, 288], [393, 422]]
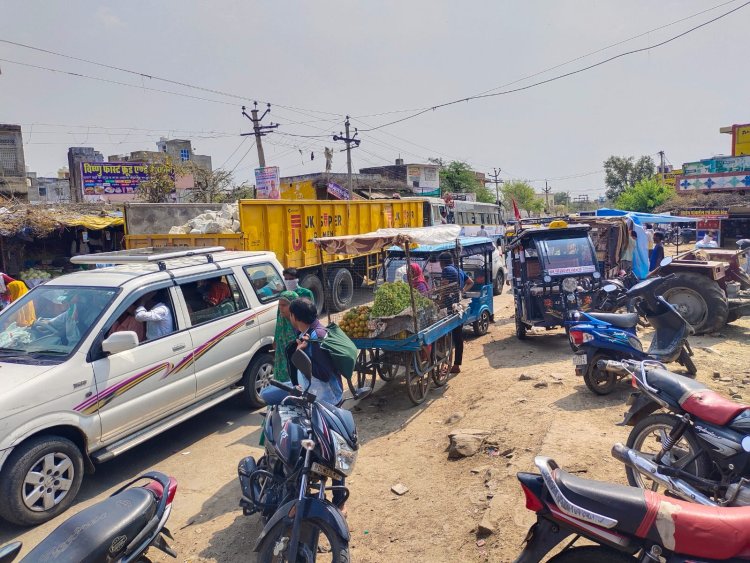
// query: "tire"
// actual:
[[598, 381], [482, 324], [592, 554], [417, 386], [701, 466], [44, 455], [341, 289], [256, 377], [687, 361], [520, 327], [497, 286], [339, 551], [733, 316], [699, 300], [313, 283]]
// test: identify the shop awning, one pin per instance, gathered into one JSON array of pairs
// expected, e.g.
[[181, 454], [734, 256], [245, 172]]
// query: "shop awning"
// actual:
[[642, 218]]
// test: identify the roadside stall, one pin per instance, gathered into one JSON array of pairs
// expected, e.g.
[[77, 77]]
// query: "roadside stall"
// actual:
[[407, 331]]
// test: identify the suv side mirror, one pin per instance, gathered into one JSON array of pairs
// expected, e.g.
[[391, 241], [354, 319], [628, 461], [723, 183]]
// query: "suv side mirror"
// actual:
[[665, 262], [120, 342]]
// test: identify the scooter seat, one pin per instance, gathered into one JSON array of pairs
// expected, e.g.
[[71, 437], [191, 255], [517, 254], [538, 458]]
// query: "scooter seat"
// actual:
[[100, 532], [627, 505], [712, 407], [675, 386], [620, 320]]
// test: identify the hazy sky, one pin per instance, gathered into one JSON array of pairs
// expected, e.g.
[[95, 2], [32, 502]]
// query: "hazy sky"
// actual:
[[328, 58]]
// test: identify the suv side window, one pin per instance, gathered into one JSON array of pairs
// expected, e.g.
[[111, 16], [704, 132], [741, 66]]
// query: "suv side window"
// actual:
[[158, 320], [266, 281], [213, 298]]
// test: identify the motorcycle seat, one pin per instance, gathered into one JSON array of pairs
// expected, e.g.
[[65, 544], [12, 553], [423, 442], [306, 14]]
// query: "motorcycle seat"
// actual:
[[620, 320], [711, 532], [712, 407], [100, 532], [627, 505], [674, 385]]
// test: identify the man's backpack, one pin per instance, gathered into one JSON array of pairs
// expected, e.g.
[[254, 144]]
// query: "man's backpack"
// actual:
[[342, 350]]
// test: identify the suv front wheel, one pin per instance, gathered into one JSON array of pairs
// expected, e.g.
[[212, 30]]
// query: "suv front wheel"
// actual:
[[257, 375], [40, 480]]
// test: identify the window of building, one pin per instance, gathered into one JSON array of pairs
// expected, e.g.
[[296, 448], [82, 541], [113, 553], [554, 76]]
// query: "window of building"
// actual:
[[266, 281], [212, 298], [42, 192], [8, 161], [184, 155]]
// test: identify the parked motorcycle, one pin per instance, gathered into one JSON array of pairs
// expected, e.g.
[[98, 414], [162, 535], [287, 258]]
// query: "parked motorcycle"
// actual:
[[307, 443], [698, 450], [614, 297], [611, 336], [119, 529], [625, 523]]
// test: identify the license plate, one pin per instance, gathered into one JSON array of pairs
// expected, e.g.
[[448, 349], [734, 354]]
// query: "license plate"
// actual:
[[580, 360], [324, 471]]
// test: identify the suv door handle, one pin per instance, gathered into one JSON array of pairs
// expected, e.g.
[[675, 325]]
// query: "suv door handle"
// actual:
[[178, 347], [251, 322]]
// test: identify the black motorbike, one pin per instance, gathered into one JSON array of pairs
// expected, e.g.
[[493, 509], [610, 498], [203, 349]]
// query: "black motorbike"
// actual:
[[699, 449], [119, 529], [307, 444]]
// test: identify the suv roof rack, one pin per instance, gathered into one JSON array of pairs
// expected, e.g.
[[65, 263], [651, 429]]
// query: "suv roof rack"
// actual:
[[148, 255]]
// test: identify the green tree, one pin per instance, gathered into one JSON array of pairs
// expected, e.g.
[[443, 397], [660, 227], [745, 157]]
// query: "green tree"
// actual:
[[524, 196], [561, 198], [209, 186], [458, 177], [160, 185], [621, 173], [645, 196]]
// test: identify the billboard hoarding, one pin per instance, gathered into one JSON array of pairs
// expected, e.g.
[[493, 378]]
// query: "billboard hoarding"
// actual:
[[337, 191], [267, 185], [102, 179]]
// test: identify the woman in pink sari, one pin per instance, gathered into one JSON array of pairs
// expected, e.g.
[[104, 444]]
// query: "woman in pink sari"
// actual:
[[417, 279]]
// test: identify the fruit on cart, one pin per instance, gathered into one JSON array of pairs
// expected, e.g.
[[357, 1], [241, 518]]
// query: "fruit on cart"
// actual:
[[354, 323]]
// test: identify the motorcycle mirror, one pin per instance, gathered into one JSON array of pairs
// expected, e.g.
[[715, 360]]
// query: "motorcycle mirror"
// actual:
[[8, 552], [302, 362], [665, 262]]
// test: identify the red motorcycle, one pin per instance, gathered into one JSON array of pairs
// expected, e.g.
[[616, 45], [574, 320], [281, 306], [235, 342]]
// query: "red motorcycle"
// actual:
[[625, 523]]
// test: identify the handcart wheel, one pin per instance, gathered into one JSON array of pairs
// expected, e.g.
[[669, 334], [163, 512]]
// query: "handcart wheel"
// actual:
[[417, 384], [443, 360], [367, 366], [388, 367]]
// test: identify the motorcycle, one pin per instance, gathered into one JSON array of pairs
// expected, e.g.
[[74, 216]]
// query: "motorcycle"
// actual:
[[119, 529], [611, 336], [624, 523], [307, 443], [615, 296], [698, 450]]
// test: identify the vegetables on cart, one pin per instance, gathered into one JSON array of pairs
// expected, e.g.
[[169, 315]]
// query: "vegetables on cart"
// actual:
[[34, 277], [392, 298]]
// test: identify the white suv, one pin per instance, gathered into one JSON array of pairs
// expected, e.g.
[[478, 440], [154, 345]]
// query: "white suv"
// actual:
[[95, 362]]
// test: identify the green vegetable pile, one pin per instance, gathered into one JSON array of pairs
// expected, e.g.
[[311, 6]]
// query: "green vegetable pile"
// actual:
[[34, 274], [393, 298]]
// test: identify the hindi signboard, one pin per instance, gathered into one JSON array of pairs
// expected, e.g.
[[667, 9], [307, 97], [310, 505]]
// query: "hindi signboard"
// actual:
[[337, 191], [704, 213], [102, 179], [267, 184]]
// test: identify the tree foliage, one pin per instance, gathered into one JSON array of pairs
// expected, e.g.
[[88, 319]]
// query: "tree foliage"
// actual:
[[524, 196], [645, 196], [625, 172], [561, 198], [209, 186], [458, 177], [161, 183]]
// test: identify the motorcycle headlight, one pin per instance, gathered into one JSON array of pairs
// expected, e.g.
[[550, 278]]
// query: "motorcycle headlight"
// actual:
[[346, 457], [569, 285]]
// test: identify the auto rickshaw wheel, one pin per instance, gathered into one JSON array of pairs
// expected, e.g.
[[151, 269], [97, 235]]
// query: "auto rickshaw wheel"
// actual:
[[482, 324], [520, 328]]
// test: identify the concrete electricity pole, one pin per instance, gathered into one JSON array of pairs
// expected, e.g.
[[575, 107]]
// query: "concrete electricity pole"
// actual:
[[495, 175], [547, 191], [349, 142], [662, 171], [259, 130]]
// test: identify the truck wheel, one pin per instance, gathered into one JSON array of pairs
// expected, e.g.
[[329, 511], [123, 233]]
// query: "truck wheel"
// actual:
[[699, 300], [256, 377], [341, 287], [497, 286], [313, 283], [40, 480]]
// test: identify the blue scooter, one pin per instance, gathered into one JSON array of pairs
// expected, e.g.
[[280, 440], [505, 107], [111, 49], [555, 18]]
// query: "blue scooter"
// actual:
[[613, 336]]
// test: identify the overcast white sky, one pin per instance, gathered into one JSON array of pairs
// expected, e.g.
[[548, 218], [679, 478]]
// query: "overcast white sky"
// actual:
[[366, 58]]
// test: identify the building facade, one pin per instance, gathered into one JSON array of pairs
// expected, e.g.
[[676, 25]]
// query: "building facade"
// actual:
[[76, 157], [422, 179], [12, 163]]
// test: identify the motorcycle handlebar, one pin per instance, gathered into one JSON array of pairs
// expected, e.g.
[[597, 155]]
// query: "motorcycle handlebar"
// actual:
[[293, 391]]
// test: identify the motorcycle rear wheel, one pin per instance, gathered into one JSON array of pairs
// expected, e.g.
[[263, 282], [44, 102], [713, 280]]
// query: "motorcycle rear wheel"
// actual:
[[276, 538], [592, 554], [658, 426]]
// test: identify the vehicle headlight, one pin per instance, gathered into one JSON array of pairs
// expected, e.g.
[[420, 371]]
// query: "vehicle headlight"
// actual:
[[547, 279], [346, 457], [570, 285]]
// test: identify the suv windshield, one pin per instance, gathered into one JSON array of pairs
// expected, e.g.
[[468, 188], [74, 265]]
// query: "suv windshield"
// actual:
[[567, 255], [51, 320]]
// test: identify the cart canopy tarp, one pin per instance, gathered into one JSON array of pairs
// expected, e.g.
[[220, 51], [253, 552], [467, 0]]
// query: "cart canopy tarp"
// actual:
[[469, 247], [370, 242]]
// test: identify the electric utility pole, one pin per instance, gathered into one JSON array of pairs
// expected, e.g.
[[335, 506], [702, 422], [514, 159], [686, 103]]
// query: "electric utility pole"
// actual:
[[662, 171], [547, 191], [349, 142], [495, 175], [259, 130]]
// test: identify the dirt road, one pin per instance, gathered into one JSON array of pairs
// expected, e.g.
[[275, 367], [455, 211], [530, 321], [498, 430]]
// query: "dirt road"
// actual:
[[550, 411]]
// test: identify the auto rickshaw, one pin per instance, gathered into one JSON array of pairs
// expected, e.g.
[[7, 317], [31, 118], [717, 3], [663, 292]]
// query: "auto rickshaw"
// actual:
[[554, 271]]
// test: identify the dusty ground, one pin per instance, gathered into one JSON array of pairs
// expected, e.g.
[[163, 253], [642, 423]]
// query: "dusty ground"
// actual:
[[436, 520]]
